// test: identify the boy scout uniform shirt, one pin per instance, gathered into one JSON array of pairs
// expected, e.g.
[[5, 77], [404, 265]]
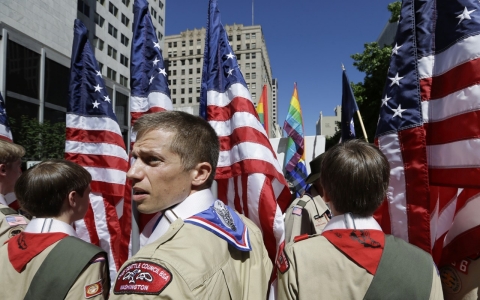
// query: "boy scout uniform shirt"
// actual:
[[302, 274], [461, 280], [189, 261], [306, 215], [11, 223], [15, 284]]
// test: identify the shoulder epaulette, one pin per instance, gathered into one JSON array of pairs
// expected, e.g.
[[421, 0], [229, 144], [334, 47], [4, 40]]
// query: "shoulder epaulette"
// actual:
[[8, 211], [301, 237]]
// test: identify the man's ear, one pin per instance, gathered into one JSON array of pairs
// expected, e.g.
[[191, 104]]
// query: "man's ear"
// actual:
[[201, 173], [72, 199]]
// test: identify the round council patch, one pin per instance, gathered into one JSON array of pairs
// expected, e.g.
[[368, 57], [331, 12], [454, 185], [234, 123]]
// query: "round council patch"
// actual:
[[142, 277], [450, 280]]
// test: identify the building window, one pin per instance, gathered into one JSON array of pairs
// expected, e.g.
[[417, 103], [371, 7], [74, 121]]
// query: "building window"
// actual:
[[174, 91], [198, 70], [190, 99], [153, 13], [198, 99], [254, 65], [174, 72], [239, 37], [198, 89], [98, 20], [254, 96], [100, 66], [124, 60], [174, 100], [102, 2], [247, 66], [190, 71], [182, 81], [174, 63], [184, 43], [183, 62], [248, 85], [248, 46], [169, 44], [190, 90], [230, 38], [83, 8], [238, 47], [183, 100], [112, 9], [254, 45], [124, 40], [198, 60], [247, 76], [190, 61], [160, 20], [247, 56], [112, 52], [198, 80], [174, 82], [111, 74], [254, 75], [190, 80], [254, 86], [112, 30], [160, 36], [160, 4], [174, 44], [199, 51], [183, 71], [123, 80], [183, 53], [190, 42], [182, 91], [125, 20], [126, 2], [98, 43], [174, 53], [254, 35], [254, 55], [247, 36], [199, 41], [190, 52]]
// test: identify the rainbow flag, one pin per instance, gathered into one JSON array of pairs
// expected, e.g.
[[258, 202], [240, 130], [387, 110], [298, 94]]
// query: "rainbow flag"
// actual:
[[262, 109], [295, 167]]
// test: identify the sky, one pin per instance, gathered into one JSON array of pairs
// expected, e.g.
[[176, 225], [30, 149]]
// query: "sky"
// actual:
[[307, 42]]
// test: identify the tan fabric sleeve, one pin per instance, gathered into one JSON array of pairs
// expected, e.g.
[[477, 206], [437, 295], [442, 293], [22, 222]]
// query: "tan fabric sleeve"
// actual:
[[436, 292], [462, 280], [287, 288], [94, 275], [295, 223], [6, 230]]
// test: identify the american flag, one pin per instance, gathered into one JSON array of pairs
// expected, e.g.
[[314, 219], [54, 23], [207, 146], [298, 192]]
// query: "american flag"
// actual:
[[248, 175], [5, 132], [149, 85], [94, 141], [429, 129]]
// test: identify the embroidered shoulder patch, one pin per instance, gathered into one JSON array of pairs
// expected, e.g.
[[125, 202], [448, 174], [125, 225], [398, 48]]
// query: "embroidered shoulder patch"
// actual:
[[94, 289], [282, 261], [297, 210], [142, 277], [16, 220], [301, 237]]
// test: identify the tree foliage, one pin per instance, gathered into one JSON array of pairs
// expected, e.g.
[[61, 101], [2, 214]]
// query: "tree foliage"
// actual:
[[395, 8], [41, 141]]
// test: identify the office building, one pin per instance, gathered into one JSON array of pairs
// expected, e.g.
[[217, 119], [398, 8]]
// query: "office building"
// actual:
[[35, 47], [183, 54], [327, 125]]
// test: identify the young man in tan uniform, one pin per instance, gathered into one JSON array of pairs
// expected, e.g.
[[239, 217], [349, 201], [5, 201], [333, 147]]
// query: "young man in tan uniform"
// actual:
[[11, 223], [461, 280], [47, 260], [353, 258], [308, 214], [199, 248]]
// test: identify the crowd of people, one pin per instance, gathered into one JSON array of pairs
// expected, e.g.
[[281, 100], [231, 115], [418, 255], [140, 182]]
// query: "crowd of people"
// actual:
[[201, 248]]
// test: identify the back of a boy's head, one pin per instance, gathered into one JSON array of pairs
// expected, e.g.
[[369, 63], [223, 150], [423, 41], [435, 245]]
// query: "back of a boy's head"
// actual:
[[10, 152], [42, 189], [355, 177]]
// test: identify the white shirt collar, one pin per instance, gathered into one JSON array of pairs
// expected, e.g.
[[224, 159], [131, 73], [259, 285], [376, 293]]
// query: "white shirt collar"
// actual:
[[2, 200], [339, 222], [192, 205], [42, 225]]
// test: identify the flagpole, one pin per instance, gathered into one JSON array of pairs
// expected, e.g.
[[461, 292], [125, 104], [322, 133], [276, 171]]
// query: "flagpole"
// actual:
[[361, 124]]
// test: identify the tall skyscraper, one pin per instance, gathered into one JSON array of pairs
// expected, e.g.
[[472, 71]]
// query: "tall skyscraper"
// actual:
[[35, 47], [183, 54]]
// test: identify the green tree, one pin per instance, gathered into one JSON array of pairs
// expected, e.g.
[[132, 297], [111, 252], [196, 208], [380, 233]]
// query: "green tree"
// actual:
[[41, 141], [374, 62]]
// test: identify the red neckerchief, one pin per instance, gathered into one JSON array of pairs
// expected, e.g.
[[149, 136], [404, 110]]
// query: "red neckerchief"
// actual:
[[25, 246], [364, 247]]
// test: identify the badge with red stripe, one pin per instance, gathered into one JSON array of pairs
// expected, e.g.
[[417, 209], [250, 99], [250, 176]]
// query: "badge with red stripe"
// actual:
[[142, 277], [93, 289], [282, 260]]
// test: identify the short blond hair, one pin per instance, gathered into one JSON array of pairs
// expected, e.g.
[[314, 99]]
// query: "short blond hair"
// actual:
[[10, 152]]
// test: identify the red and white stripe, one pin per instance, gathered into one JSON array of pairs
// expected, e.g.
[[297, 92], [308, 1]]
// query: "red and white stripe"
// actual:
[[96, 143], [248, 174], [440, 205], [5, 133]]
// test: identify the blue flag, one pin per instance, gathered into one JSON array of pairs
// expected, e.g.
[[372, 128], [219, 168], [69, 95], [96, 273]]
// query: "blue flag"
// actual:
[[349, 107], [5, 132]]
